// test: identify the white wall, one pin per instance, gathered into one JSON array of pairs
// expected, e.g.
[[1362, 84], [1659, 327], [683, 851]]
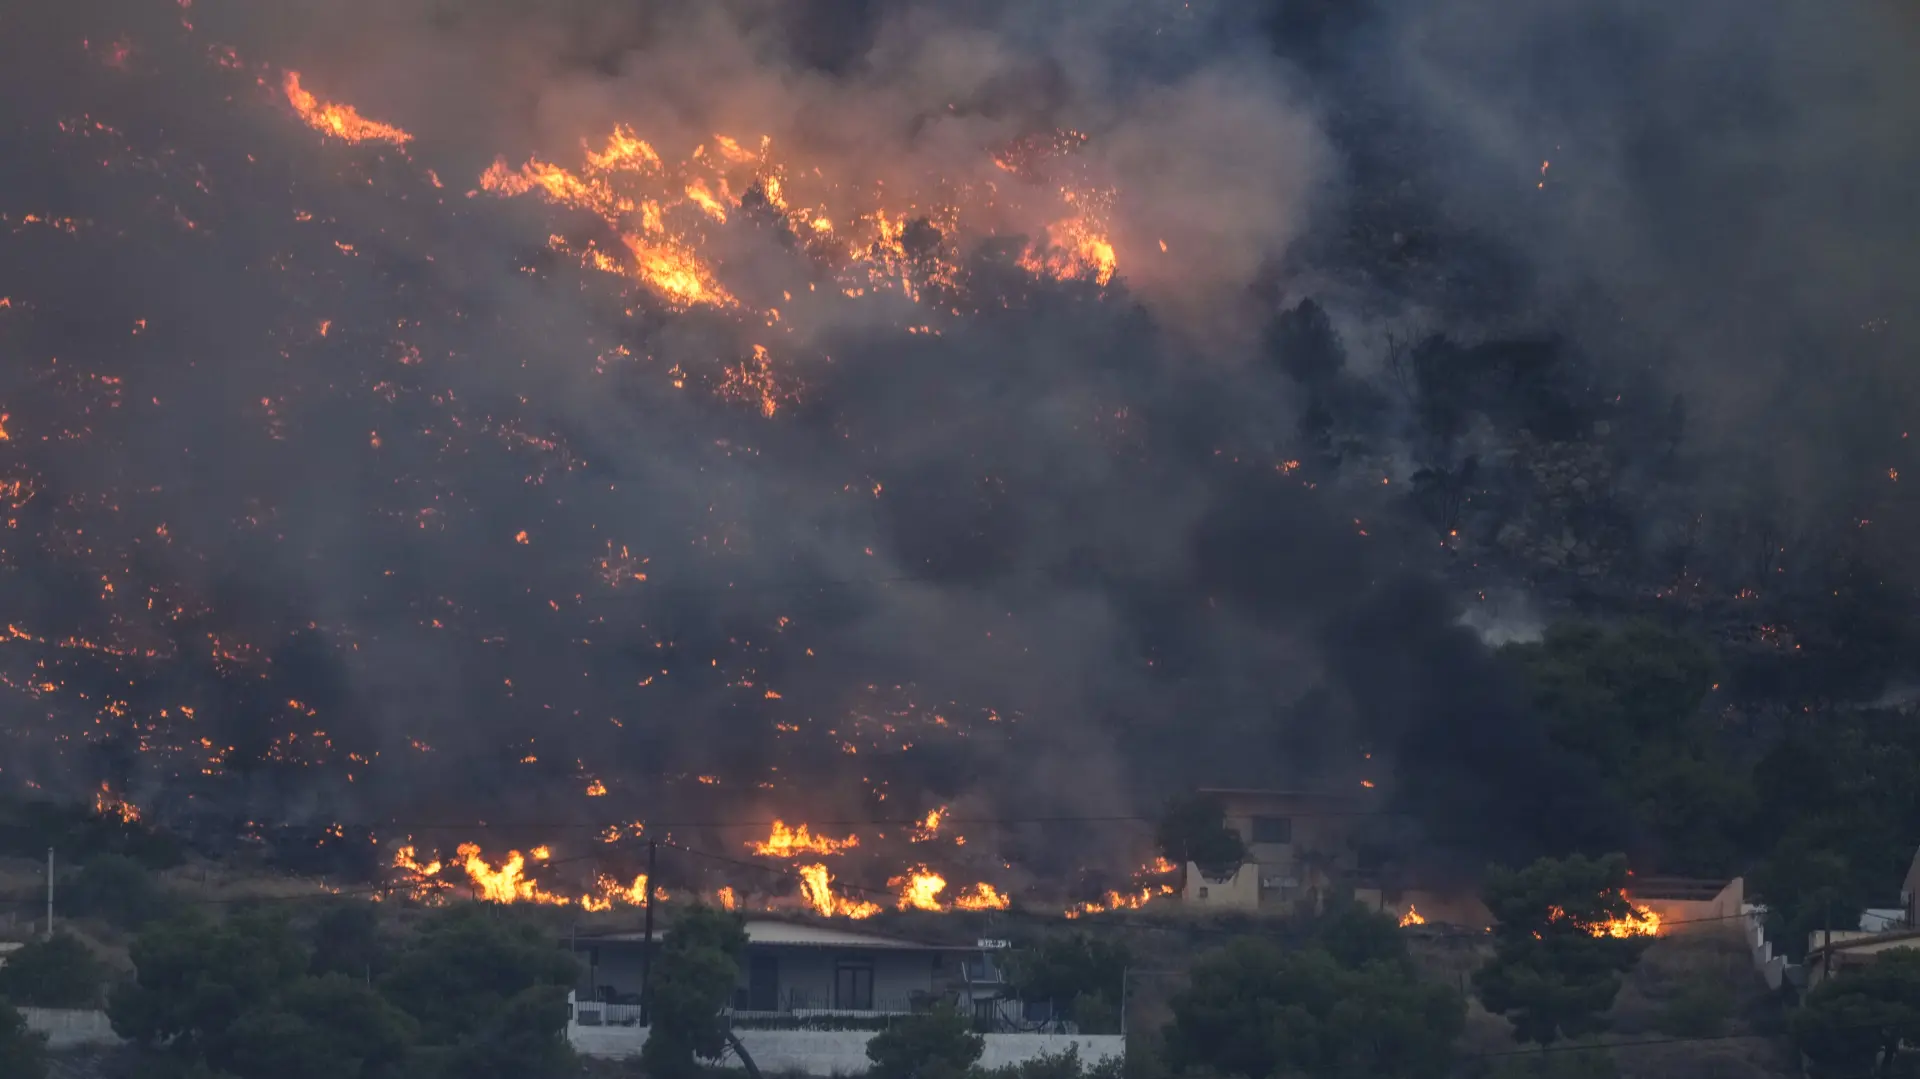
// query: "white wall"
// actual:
[[844, 1052], [67, 1028]]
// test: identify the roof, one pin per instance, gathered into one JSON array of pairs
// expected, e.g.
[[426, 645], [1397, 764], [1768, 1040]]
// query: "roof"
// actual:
[[767, 931]]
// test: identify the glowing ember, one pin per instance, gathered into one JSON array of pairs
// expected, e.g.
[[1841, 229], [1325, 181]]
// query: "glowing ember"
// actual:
[[786, 842], [108, 804], [340, 121], [929, 826], [918, 888]]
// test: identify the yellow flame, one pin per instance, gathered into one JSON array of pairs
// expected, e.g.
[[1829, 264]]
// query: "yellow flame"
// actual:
[[1412, 917], [816, 887], [340, 121], [784, 842], [982, 896], [918, 888]]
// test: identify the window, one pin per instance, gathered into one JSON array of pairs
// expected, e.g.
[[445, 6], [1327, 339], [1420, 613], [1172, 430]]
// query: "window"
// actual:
[[1277, 830], [1203, 891], [763, 983], [853, 985]]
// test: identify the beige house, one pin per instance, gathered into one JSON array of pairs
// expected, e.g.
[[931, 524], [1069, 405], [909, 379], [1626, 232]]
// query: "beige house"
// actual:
[[1300, 844]]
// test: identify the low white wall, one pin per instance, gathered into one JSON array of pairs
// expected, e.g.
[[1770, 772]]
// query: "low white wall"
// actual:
[[67, 1028], [844, 1052]]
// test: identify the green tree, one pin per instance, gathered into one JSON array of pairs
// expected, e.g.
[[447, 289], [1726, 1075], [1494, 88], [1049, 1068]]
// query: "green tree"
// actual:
[[484, 983], [1629, 699], [1253, 1009], [1556, 968], [1355, 936], [1077, 972], [347, 940], [194, 980], [938, 1044], [23, 1054], [331, 1027], [693, 978], [1854, 1024], [1193, 828], [58, 972], [118, 890]]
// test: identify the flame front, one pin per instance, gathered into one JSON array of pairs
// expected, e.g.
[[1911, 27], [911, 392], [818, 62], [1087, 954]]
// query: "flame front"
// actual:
[[340, 121], [1412, 917], [784, 842], [982, 896]]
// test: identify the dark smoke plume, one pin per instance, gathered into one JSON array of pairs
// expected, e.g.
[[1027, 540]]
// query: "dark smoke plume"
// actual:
[[374, 476]]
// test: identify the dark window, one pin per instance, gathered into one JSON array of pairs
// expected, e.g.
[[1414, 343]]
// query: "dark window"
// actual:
[[853, 986], [763, 983], [1273, 829]]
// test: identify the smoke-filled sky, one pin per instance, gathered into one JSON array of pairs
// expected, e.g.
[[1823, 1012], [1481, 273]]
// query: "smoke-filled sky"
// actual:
[[375, 488]]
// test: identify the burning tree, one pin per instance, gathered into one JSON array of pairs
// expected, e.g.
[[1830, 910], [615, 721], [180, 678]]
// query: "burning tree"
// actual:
[[1565, 933]]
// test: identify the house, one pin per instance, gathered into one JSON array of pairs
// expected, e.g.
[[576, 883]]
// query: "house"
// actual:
[[798, 971], [1299, 845], [1832, 954]]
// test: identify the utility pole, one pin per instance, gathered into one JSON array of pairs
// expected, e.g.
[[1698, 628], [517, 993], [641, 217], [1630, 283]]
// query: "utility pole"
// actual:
[[646, 954], [49, 893]]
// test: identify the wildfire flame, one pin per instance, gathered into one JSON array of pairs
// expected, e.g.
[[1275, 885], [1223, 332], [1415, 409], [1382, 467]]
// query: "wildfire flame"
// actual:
[[784, 842], [918, 888], [1642, 922], [108, 804], [1412, 917], [507, 883], [929, 826], [816, 887], [340, 121], [982, 896]]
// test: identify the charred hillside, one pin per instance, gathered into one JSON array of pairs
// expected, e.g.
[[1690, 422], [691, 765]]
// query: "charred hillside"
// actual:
[[522, 430]]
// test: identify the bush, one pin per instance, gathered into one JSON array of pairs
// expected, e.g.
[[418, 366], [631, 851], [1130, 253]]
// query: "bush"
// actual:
[[1066, 1065], [1700, 1010], [23, 1054], [57, 973], [940, 1044], [118, 890]]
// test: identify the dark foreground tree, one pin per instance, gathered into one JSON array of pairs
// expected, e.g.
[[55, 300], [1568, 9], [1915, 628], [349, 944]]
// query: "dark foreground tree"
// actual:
[[1557, 965], [1078, 973], [1253, 1009], [1193, 828], [23, 1054], [57, 972], [693, 978], [1854, 1025], [939, 1044]]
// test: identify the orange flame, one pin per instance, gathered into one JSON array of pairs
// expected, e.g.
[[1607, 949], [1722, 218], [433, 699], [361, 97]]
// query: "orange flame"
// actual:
[[340, 121], [784, 842], [982, 896], [1412, 917], [918, 888], [929, 826], [506, 884], [1118, 901], [816, 887]]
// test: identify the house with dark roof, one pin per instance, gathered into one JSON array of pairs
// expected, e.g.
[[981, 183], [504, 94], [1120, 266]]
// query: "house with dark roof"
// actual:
[[800, 971]]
